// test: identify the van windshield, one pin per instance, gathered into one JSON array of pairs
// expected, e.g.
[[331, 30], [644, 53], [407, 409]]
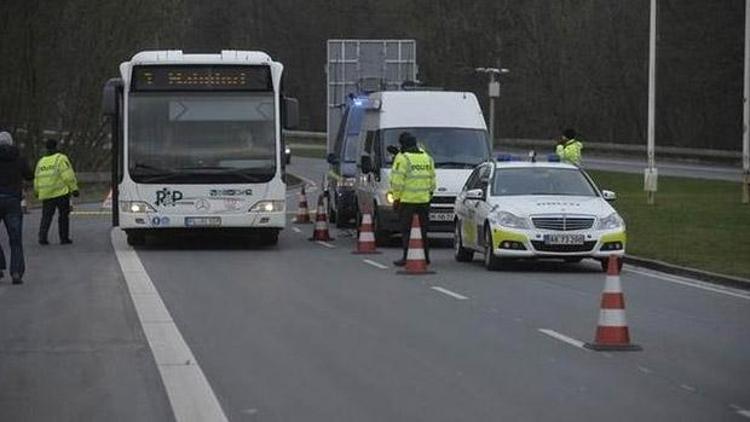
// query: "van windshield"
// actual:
[[449, 147]]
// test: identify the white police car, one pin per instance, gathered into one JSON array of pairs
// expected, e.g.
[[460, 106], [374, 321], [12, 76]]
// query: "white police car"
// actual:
[[516, 209]]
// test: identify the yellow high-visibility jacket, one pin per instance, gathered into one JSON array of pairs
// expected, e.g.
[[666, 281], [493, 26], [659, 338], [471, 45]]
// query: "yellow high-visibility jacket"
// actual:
[[570, 152], [54, 177], [413, 177]]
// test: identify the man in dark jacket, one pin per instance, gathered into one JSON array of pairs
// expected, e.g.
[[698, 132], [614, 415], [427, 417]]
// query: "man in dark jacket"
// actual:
[[13, 171]]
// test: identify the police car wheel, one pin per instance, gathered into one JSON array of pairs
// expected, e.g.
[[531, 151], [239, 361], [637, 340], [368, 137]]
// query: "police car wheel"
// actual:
[[605, 265], [460, 253], [492, 262]]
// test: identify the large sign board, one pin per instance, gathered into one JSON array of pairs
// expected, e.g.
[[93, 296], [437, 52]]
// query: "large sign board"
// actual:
[[352, 63]]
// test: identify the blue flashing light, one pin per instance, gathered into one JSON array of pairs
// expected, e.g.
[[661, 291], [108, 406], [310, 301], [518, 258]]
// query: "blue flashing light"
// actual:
[[507, 157], [553, 158], [358, 103]]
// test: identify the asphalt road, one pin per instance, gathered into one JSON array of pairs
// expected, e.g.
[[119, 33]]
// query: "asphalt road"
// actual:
[[307, 331]]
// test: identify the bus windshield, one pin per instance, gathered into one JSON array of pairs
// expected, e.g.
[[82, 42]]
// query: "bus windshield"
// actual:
[[216, 137], [449, 147]]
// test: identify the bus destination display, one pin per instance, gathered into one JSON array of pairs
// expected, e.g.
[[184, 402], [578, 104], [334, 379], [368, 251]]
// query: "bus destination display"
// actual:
[[202, 78]]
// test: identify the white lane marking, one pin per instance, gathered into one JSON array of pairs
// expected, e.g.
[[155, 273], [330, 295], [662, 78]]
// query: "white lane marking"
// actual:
[[188, 390], [644, 369], [449, 293], [692, 283], [375, 264], [743, 412], [326, 244], [296, 230], [689, 388], [562, 337]]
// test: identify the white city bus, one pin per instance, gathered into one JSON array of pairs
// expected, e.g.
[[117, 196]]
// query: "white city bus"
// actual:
[[197, 143]]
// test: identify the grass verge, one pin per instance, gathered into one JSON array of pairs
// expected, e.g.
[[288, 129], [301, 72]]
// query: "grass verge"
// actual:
[[694, 223]]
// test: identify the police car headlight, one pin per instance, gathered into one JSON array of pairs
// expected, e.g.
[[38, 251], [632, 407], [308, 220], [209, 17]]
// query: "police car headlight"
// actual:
[[389, 198], [507, 219], [347, 182], [136, 207], [611, 222], [268, 206]]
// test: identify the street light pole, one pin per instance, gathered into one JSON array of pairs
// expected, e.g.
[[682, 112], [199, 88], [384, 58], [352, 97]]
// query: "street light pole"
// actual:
[[651, 174], [746, 112], [493, 90]]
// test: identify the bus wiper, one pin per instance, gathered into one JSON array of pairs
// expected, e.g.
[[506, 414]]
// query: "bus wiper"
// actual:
[[143, 166], [207, 168]]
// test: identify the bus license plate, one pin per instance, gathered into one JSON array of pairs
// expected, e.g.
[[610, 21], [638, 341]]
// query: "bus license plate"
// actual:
[[202, 221], [563, 239], [442, 216]]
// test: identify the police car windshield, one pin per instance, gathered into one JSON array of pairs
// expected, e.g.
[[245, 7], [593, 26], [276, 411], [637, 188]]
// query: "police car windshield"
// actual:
[[541, 181], [449, 147]]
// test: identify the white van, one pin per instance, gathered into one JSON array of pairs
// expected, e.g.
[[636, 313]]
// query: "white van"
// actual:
[[448, 125]]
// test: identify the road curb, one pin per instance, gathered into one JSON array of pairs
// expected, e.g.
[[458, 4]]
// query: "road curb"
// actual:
[[715, 278]]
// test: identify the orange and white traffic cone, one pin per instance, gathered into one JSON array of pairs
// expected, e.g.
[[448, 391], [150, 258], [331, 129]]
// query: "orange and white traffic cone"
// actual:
[[612, 333], [107, 203], [416, 263], [366, 240], [321, 222], [303, 215]]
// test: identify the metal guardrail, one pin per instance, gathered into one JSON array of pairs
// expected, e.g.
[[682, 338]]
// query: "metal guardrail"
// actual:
[[94, 177], [548, 144]]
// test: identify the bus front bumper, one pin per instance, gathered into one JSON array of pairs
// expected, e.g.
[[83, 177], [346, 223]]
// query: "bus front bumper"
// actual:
[[259, 220]]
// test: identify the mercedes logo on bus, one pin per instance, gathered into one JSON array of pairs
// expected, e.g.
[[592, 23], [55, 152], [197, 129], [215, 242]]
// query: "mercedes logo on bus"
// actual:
[[202, 205]]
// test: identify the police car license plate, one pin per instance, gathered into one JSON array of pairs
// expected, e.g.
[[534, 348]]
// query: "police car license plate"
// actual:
[[563, 239], [441, 216], [202, 221]]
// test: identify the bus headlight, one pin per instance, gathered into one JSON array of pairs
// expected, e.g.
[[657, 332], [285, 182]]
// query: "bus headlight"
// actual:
[[268, 206], [611, 222], [136, 207]]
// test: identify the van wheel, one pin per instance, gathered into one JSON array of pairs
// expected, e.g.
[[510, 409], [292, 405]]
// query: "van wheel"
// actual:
[[492, 262], [381, 237], [460, 253], [331, 213]]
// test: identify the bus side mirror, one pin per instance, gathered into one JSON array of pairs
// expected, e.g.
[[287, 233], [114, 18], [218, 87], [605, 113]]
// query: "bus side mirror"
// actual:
[[109, 97], [291, 113], [366, 164]]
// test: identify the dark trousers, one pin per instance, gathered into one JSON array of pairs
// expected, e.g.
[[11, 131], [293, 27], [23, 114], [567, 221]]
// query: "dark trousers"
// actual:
[[405, 214], [12, 216], [62, 205]]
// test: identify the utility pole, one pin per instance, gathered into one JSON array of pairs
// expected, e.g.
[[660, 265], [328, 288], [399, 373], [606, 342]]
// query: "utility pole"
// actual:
[[493, 90], [746, 112], [651, 174]]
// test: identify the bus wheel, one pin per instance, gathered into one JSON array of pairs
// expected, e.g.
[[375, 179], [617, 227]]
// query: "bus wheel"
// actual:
[[270, 238], [135, 238]]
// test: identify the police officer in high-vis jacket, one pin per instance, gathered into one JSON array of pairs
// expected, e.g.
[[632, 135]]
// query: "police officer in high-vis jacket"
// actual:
[[54, 182], [569, 148], [412, 184]]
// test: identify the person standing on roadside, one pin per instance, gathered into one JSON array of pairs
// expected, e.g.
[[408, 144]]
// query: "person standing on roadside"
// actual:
[[14, 169], [412, 185], [54, 183], [569, 148]]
